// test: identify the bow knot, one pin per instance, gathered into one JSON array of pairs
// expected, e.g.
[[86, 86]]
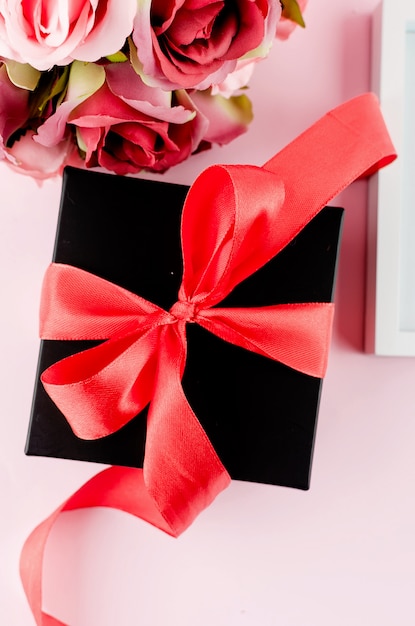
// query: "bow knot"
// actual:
[[184, 310]]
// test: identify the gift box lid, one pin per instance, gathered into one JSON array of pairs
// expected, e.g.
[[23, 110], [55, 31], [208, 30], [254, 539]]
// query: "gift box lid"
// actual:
[[259, 414]]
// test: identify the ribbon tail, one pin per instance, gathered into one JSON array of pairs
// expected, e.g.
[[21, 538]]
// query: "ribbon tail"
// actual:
[[31, 566], [116, 487], [49, 620], [297, 335], [182, 471], [355, 132]]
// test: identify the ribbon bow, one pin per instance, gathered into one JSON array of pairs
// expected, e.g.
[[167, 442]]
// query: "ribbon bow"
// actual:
[[230, 228], [235, 219]]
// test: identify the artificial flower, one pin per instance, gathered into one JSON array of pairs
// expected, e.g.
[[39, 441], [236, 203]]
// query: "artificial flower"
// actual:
[[120, 129], [141, 84], [47, 32], [196, 43]]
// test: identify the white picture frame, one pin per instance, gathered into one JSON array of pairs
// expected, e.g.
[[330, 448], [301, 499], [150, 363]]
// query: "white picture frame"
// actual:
[[390, 305]]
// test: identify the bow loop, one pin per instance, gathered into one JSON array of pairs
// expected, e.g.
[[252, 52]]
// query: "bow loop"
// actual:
[[99, 390], [228, 229], [297, 335], [78, 305]]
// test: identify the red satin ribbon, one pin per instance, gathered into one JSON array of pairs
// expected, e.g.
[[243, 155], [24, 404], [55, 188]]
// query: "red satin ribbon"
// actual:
[[235, 219]]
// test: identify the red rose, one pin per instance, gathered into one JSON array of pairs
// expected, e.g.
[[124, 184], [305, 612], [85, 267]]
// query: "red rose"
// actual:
[[126, 126], [195, 43]]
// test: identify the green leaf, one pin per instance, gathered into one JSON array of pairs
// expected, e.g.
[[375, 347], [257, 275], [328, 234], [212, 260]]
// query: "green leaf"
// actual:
[[51, 86], [55, 88], [84, 79], [241, 104], [291, 11], [118, 57], [22, 75]]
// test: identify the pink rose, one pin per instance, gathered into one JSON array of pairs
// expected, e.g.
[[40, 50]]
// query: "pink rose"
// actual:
[[195, 43], [47, 32], [126, 126]]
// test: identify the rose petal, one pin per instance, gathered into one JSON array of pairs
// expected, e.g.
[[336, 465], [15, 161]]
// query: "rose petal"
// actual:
[[28, 157], [228, 117]]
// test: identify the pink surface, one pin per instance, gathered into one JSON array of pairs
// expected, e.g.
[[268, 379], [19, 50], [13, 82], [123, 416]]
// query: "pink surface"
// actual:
[[342, 553]]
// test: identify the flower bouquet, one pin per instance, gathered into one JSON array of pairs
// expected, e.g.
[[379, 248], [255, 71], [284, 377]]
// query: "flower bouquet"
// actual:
[[131, 86]]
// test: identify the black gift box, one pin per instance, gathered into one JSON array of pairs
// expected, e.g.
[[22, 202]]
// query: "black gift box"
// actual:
[[260, 415]]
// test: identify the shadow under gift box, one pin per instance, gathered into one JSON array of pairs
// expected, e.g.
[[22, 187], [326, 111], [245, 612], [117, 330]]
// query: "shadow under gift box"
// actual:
[[259, 414]]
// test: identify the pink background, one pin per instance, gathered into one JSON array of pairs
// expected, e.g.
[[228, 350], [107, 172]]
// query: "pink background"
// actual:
[[342, 553]]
